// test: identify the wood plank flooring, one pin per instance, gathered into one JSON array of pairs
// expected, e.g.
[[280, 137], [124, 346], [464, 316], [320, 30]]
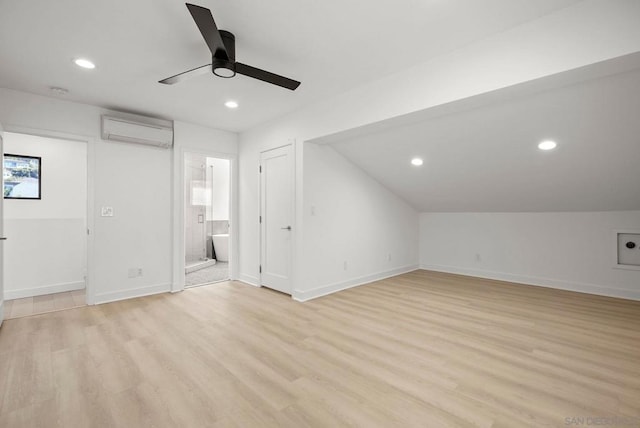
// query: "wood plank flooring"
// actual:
[[28, 306], [422, 349]]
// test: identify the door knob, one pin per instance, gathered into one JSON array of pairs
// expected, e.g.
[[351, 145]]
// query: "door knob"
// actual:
[[286, 228]]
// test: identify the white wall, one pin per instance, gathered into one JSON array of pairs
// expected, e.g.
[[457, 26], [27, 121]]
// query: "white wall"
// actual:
[[133, 179], [46, 250], [200, 139], [579, 35], [571, 250], [349, 217], [137, 181]]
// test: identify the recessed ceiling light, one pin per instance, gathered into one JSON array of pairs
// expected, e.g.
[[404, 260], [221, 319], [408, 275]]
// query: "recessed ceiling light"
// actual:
[[416, 161], [84, 63], [547, 145], [231, 104]]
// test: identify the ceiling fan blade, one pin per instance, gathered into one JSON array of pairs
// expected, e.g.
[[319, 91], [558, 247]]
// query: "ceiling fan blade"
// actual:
[[187, 74], [266, 76], [209, 30]]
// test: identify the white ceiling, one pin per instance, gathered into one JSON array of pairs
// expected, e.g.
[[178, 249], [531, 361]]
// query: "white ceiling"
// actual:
[[486, 159], [331, 46]]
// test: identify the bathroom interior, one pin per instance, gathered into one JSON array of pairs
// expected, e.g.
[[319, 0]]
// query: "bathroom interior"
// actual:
[[207, 190]]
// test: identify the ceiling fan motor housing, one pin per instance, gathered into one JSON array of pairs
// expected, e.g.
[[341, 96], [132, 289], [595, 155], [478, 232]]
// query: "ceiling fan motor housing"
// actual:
[[222, 45], [222, 67]]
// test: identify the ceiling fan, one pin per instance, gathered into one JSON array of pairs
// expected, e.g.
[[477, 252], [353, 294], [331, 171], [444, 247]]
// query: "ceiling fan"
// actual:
[[222, 45]]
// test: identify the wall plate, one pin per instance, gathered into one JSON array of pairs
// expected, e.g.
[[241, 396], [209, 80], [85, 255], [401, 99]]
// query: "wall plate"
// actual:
[[627, 249], [106, 212]]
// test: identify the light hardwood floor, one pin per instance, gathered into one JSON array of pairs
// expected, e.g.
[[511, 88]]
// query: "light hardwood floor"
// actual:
[[28, 306], [421, 349]]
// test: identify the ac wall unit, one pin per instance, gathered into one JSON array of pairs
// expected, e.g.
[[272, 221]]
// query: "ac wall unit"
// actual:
[[158, 134]]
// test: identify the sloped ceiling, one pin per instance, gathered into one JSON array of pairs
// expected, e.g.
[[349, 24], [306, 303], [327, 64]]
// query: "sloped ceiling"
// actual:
[[331, 46], [486, 159]]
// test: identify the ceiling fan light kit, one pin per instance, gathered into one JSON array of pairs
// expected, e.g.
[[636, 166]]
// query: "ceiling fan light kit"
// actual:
[[222, 45], [225, 67], [222, 68]]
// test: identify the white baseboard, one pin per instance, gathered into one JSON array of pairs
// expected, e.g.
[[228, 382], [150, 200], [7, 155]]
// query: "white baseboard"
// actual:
[[132, 293], [248, 279], [538, 281], [304, 295], [42, 290]]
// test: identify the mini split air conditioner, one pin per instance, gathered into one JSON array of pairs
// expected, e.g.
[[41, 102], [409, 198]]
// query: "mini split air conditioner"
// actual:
[[153, 132]]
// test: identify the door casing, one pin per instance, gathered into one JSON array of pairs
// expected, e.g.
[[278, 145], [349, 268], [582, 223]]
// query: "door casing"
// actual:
[[1, 231], [177, 283]]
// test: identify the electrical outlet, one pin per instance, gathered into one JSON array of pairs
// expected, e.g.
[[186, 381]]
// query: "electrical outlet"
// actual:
[[478, 258], [134, 272], [389, 257], [345, 265], [106, 212]]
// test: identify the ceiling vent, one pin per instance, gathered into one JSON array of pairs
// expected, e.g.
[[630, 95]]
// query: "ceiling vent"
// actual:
[[147, 131]]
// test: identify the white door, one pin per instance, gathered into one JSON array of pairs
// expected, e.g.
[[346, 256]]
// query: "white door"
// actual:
[[2, 238], [276, 209]]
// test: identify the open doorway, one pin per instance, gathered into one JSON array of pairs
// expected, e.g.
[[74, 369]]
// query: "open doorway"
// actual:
[[45, 218], [206, 219]]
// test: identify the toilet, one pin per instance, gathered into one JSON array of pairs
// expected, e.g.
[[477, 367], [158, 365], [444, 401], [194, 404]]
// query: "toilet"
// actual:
[[221, 247]]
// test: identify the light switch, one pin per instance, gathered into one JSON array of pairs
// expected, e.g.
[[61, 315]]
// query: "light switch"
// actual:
[[107, 212]]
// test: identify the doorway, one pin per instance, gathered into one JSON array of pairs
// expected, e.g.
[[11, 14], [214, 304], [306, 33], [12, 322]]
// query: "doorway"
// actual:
[[45, 191], [207, 204], [276, 218]]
